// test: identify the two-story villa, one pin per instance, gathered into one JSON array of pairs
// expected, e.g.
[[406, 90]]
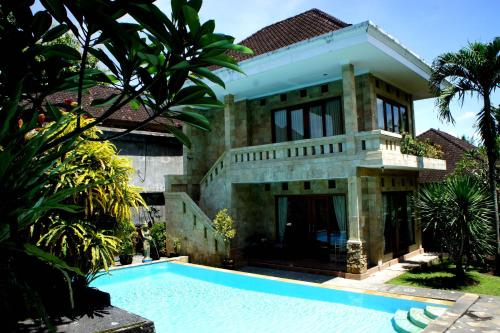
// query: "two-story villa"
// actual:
[[306, 152]]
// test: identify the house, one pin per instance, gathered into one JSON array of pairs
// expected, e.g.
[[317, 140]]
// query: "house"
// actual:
[[453, 150], [152, 151], [306, 153]]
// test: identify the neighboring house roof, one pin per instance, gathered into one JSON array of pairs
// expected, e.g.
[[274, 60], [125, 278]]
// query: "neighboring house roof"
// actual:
[[126, 117], [292, 30], [453, 149]]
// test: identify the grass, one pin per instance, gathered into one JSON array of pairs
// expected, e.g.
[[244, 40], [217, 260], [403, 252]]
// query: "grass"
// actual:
[[441, 276]]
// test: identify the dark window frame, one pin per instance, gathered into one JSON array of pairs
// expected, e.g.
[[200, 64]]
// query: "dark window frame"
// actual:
[[305, 107], [392, 103]]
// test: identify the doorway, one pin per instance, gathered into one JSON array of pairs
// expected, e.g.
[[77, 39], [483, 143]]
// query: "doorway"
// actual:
[[312, 225], [399, 228]]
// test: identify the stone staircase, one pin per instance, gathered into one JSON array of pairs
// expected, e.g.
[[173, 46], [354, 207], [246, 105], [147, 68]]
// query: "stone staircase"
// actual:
[[416, 319]]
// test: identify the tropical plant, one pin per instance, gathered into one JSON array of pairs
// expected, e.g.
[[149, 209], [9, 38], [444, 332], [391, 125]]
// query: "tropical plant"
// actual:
[[176, 245], [159, 235], [458, 213], [224, 227], [424, 148], [473, 70], [474, 164], [153, 61]]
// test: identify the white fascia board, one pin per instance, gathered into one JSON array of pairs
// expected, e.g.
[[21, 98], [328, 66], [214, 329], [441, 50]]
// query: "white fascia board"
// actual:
[[308, 48], [396, 50]]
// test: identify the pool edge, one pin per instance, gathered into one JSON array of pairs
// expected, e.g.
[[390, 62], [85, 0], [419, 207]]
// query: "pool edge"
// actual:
[[325, 286]]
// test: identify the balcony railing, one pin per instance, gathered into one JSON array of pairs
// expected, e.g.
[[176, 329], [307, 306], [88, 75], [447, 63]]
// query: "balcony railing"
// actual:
[[325, 146]]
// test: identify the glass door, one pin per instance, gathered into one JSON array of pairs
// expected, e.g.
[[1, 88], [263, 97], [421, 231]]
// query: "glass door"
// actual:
[[399, 228]]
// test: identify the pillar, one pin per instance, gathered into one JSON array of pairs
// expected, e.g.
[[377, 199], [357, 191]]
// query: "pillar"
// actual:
[[356, 247], [349, 105], [228, 113]]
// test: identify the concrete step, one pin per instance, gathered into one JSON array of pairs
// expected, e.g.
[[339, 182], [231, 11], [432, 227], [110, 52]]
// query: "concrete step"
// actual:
[[401, 323], [419, 318], [434, 311]]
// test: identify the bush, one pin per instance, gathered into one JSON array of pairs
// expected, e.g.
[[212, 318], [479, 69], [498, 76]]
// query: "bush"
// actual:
[[412, 146], [159, 235], [459, 213], [224, 227]]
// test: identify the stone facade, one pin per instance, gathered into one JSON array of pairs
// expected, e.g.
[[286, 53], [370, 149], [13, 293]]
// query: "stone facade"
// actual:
[[237, 166], [357, 259]]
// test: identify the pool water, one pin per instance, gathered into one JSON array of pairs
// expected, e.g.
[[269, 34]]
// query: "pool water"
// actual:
[[185, 298]]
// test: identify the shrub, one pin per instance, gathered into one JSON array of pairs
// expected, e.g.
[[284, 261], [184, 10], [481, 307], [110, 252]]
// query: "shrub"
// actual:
[[224, 227], [459, 214], [159, 235], [412, 146]]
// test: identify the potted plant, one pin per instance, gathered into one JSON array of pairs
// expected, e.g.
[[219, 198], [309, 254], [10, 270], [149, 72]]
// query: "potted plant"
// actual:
[[126, 252], [224, 227], [159, 235], [176, 246], [128, 235]]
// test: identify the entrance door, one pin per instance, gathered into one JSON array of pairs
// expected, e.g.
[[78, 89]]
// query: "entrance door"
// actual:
[[399, 230]]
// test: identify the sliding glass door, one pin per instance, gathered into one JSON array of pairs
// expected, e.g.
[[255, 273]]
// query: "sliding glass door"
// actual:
[[310, 226], [399, 228]]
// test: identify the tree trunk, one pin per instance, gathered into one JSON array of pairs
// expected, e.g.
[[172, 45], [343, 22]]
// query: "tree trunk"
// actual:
[[490, 143]]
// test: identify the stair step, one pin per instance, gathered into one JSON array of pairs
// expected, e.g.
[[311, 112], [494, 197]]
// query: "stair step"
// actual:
[[434, 311], [418, 317], [402, 324]]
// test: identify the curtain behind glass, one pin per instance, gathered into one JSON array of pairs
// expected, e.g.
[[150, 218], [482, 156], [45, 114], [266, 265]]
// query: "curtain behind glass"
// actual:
[[282, 217], [333, 118], [316, 121], [409, 213], [297, 124], [340, 214], [280, 126]]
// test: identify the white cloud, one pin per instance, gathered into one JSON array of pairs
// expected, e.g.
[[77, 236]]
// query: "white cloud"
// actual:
[[466, 115]]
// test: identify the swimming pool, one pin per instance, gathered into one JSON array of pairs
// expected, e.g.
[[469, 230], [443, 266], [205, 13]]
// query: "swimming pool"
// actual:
[[187, 298]]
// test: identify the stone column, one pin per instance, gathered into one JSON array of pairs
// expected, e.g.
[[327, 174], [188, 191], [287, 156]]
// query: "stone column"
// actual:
[[228, 111], [349, 105], [356, 247], [374, 220]]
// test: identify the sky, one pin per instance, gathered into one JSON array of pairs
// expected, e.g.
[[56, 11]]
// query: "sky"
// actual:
[[427, 27]]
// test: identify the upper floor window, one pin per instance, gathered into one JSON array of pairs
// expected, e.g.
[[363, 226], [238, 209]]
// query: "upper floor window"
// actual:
[[314, 120], [392, 116]]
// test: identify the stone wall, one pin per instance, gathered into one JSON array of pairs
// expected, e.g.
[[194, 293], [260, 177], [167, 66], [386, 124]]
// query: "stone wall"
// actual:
[[188, 222]]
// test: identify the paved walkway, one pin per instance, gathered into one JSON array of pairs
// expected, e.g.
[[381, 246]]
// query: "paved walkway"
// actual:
[[482, 316]]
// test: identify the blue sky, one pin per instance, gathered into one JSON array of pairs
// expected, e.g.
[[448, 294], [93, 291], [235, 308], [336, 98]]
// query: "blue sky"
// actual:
[[427, 27]]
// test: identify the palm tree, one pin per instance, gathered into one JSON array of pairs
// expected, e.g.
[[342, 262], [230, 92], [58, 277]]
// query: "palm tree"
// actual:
[[473, 70]]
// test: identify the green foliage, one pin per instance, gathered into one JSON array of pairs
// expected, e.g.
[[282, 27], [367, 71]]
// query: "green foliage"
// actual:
[[176, 245], [128, 235], [412, 146], [159, 235], [474, 164], [458, 213], [156, 62], [224, 227], [475, 71], [70, 40]]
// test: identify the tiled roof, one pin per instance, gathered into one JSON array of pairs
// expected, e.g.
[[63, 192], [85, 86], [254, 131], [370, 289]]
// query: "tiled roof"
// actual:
[[292, 30], [126, 117], [453, 149]]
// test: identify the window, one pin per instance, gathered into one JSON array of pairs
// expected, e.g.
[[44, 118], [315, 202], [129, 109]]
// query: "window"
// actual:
[[309, 121], [392, 116], [297, 124]]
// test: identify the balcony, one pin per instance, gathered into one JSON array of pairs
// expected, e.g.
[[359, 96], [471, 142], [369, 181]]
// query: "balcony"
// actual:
[[323, 158]]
